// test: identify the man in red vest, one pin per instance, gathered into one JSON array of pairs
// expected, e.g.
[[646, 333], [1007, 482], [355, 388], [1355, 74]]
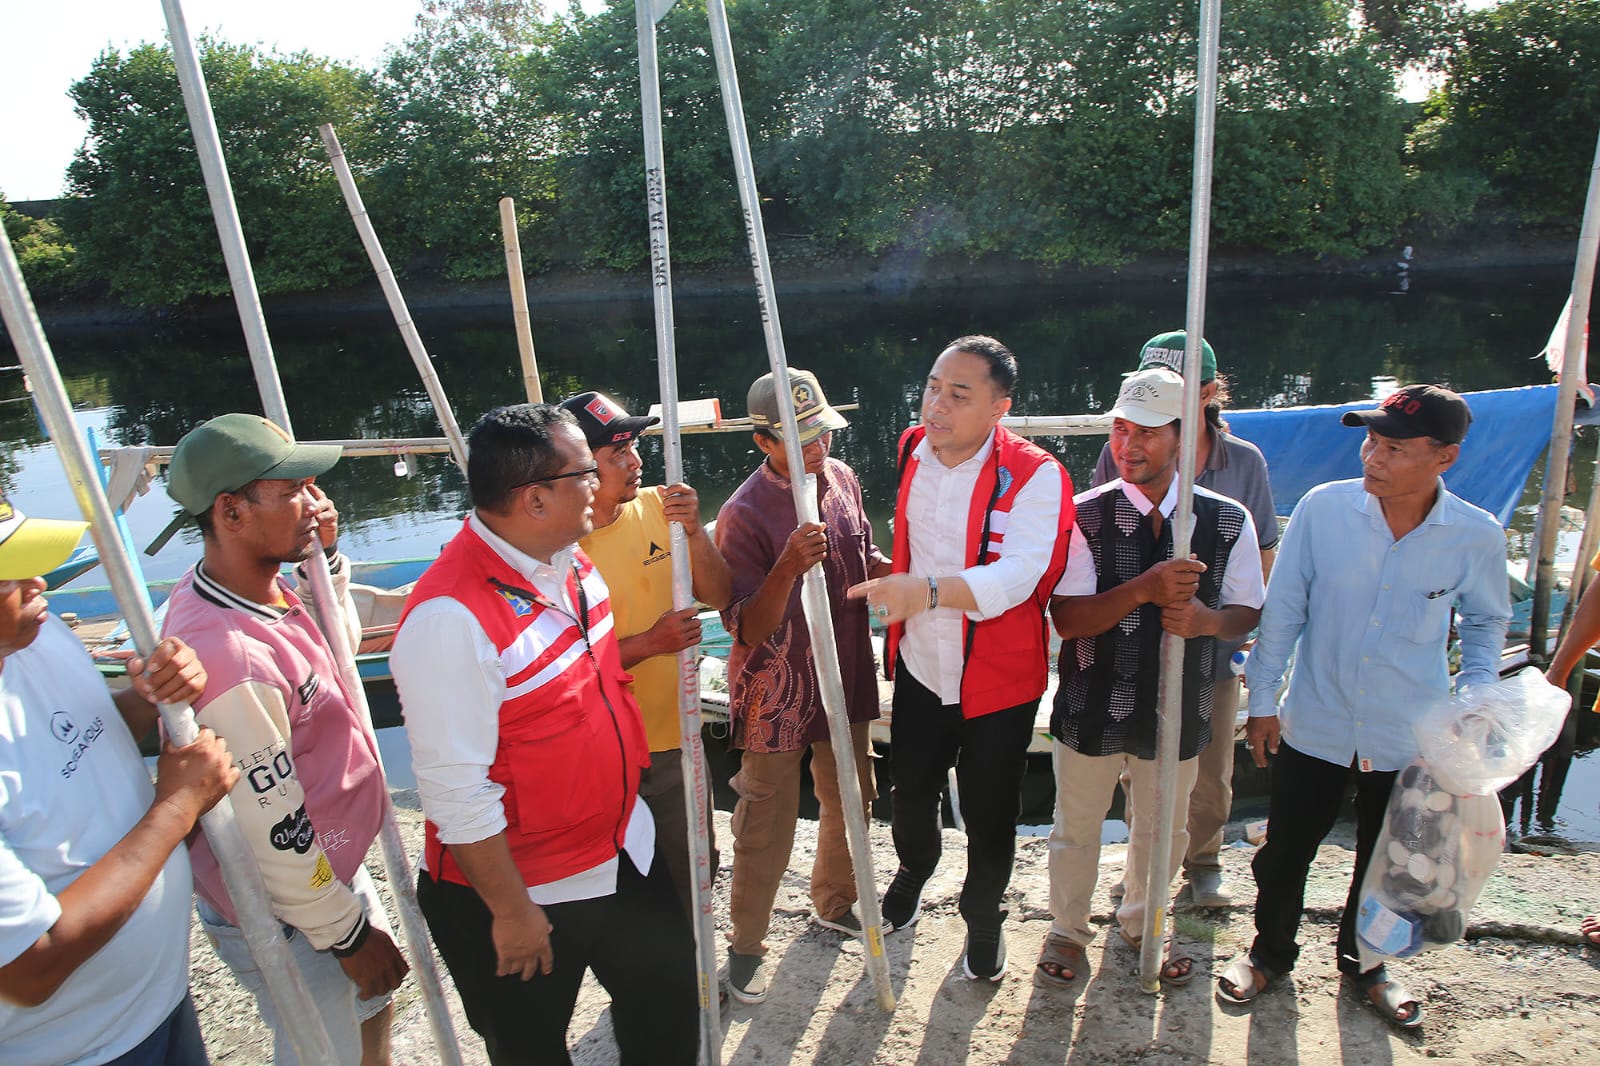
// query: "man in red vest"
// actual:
[[527, 746], [980, 538]]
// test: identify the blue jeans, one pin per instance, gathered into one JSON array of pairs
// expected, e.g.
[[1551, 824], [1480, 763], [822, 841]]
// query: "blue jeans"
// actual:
[[176, 1042]]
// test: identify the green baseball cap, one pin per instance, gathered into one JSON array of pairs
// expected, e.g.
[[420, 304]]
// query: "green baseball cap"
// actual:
[[227, 453], [1168, 350]]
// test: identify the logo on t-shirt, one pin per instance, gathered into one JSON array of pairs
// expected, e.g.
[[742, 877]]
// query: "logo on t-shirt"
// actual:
[[308, 689], [656, 554], [294, 833], [78, 743], [520, 605], [62, 727]]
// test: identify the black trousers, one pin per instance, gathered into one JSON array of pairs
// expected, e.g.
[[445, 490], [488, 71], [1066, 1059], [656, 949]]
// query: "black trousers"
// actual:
[[990, 754], [1306, 796], [637, 941]]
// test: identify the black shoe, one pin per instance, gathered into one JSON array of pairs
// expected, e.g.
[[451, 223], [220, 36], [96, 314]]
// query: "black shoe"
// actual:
[[985, 957], [902, 903], [846, 923]]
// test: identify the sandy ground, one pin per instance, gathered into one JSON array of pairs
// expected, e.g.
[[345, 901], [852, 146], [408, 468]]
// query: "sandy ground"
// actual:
[[1520, 989]]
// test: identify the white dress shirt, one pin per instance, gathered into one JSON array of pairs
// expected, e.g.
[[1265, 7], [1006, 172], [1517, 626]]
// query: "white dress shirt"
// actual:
[[937, 508], [452, 717]]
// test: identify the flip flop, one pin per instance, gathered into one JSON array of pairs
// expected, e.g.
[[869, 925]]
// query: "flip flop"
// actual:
[[1392, 998], [1240, 974], [1589, 929], [1061, 953], [1178, 980]]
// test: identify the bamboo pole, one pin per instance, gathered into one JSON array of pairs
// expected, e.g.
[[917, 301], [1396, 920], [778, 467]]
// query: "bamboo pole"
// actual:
[[329, 615], [519, 300], [1572, 368], [1169, 708], [696, 794], [391, 293], [239, 870], [814, 592]]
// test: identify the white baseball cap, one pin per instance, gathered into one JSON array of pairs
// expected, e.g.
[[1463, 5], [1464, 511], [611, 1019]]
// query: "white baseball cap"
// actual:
[[1152, 397]]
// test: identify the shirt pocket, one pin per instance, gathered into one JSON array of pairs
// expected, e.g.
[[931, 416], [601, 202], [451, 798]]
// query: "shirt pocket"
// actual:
[[1425, 620]]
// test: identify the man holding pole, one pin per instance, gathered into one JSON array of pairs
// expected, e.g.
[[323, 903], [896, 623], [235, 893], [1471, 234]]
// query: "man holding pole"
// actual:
[[980, 539], [1233, 467], [631, 546], [311, 798], [775, 697], [527, 747], [1121, 591], [1367, 579], [94, 881]]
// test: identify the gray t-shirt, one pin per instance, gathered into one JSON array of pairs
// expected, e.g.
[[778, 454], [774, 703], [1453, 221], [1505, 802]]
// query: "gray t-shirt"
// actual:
[[1235, 469]]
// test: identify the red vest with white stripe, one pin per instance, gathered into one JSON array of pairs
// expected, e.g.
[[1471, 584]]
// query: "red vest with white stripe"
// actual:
[[1006, 660], [571, 741]]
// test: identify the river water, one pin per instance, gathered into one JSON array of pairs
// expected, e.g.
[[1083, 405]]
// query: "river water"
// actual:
[[1279, 341]]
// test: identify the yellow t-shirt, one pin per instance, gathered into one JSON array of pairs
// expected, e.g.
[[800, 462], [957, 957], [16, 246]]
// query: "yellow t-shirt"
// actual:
[[634, 555]]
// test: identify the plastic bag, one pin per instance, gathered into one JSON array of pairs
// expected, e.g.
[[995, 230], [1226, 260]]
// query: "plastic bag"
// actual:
[[1443, 832], [1433, 857], [1486, 737]]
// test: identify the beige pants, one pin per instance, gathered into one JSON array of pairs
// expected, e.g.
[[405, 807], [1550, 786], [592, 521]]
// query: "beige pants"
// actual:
[[768, 784], [1212, 799], [1084, 788]]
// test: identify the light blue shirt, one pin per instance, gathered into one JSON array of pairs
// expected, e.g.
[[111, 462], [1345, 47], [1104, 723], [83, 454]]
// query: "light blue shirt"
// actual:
[[1371, 617]]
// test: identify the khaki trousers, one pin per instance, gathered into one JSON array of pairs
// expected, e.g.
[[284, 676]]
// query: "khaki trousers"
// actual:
[[1084, 788], [1212, 799], [768, 784]]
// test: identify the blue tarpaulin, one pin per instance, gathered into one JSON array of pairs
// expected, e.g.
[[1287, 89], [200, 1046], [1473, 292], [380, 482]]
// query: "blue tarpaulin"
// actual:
[[1306, 446]]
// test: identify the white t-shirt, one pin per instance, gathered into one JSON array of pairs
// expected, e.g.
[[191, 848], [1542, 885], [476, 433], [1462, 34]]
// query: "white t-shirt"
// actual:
[[72, 784]]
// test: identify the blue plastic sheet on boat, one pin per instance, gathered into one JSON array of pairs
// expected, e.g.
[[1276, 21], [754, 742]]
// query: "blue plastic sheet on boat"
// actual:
[[1306, 446]]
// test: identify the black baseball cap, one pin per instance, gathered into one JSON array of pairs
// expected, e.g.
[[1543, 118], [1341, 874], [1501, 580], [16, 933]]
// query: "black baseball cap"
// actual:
[[604, 421], [1417, 411]]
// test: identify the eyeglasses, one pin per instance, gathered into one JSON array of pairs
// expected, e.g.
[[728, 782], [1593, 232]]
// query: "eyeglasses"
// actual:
[[590, 473]]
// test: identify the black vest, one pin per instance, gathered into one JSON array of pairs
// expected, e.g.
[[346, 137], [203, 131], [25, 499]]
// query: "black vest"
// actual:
[[1106, 704]]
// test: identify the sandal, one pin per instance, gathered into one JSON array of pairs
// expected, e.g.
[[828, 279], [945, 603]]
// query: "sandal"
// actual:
[[1237, 983], [1392, 999], [1183, 963], [1589, 930], [1061, 953]]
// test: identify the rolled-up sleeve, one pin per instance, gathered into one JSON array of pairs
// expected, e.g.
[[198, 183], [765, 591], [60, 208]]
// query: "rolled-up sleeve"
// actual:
[[448, 676], [1029, 543]]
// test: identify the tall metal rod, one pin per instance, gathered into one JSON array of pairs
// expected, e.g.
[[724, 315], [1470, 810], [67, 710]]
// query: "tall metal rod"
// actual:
[[1572, 368], [697, 793], [814, 590], [242, 876], [391, 292], [519, 300], [1169, 703], [208, 144]]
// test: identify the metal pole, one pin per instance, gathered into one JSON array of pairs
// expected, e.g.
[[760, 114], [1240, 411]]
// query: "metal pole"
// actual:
[[519, 300], [239, 871], [814, 591], [1572, 368], [1169, 704], [697, 794], [391, 292], [209, 147], [197, 102]]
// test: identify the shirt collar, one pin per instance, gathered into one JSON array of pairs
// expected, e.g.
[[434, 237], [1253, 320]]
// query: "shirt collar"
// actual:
[[1141, 502], [520, 561], [1438, 514], [924, 453]]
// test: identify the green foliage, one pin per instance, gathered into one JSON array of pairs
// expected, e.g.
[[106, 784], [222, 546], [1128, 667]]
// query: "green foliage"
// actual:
[[1059, 132], [47, 259], [140, 217], [1521, 105], [459, 131]]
